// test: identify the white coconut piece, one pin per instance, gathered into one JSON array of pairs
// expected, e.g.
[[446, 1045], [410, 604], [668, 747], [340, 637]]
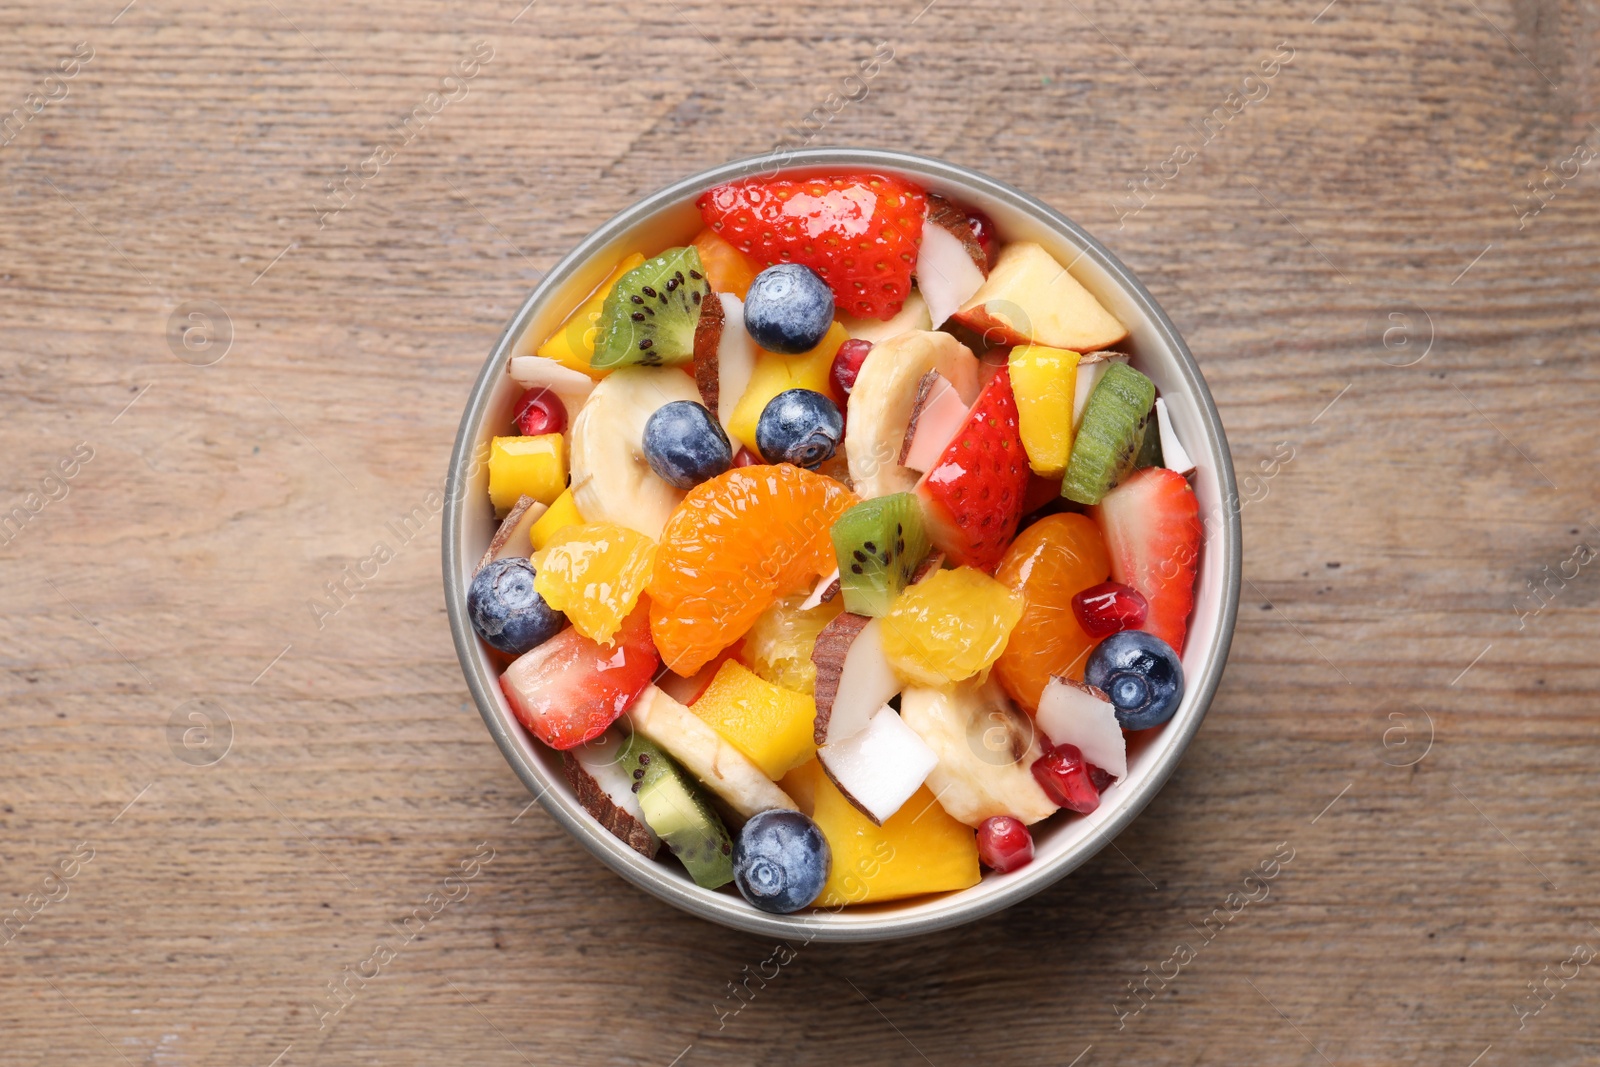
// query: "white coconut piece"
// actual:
[[878, 768], [946, 275], [1173, 455], [1073, 714]]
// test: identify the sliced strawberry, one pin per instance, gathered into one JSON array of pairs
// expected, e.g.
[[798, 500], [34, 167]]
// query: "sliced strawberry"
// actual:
[[860, 232], [972, 498], [1152, 528], [569, 689]]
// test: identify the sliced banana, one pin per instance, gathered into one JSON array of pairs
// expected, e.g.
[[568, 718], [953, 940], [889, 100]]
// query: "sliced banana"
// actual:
[[986, 749], [611, 480], [721, 768], [882, 399]]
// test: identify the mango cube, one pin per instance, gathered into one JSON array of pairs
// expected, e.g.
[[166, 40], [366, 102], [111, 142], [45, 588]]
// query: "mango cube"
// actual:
[[919, 849], [573, 344], [771, 725], [526, 466], [558, 516], [774, 374], [1044, 381]]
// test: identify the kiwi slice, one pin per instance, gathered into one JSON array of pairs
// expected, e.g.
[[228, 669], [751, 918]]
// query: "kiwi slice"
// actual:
[[879, 543], [679, 814], [1110, 435], [1150, 451], [650, 315]]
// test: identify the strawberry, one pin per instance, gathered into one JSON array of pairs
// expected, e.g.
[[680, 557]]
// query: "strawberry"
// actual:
[[972, 498], [569, 689], [859, 232], [1152, 528]]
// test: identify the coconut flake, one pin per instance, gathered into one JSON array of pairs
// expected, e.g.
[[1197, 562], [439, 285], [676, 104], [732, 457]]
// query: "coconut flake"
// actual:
[[1173, 455], [1080, 715]]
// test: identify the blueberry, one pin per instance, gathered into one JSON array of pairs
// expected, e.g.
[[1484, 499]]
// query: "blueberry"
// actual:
[[788, 309], [780, 861], [1141, 674], [506, 610], [684, 445], [801, 427]]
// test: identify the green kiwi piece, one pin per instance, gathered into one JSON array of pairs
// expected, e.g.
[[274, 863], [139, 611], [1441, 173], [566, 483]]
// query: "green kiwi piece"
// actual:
[[1150, 452], [879, 543], [1111, 434], [679, 814], [650, 315]]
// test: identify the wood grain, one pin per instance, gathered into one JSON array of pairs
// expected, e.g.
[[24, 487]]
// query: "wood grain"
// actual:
[[1380, 173]]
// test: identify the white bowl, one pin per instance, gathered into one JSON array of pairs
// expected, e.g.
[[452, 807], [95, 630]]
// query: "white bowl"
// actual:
[[669, 217]]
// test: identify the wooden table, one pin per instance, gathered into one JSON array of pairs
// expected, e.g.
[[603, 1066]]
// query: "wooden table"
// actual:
[[213, 807]]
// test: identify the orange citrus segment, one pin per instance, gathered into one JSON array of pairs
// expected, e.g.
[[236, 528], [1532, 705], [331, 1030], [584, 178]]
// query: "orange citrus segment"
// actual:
[[734, 546], [1050, 562]]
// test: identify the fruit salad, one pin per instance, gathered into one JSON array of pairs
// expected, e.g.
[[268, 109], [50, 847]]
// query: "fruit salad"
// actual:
[[840, 546]]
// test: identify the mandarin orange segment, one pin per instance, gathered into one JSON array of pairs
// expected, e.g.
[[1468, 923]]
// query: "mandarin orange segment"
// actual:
[[727, 269], [734, 546], [1049, 563]]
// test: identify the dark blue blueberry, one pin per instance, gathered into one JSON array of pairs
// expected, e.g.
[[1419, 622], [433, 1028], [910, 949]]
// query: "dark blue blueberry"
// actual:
[[780, 861], [685, 445], [799, 426], [788, 309], [1142, 676], [506, 610]]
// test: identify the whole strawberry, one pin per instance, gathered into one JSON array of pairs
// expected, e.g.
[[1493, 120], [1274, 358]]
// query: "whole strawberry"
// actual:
[[860, 232]]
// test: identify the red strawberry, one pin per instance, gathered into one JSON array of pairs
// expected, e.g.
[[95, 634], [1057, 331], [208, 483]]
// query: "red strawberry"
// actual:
[[1152, 527], [972, 498], [860, 232], [569, 689]]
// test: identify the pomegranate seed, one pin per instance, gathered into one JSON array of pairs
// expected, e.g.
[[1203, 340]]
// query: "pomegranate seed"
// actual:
[[1100, 779], [540, 411], [983, 230], [746, 458], [847, 364], [1109, 608], [1004, 844], [1064, 776]]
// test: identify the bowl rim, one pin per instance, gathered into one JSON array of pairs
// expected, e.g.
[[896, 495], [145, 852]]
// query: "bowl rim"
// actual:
[[940, 912]]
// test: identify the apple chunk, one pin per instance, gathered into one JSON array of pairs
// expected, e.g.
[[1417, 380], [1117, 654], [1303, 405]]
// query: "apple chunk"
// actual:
[[854, 678], [879, 768], [1030, 297]]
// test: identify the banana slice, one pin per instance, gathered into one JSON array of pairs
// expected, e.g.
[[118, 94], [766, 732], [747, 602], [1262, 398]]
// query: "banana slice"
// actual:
[[721, 768], [882, 399], [611, 481], [986, 749]]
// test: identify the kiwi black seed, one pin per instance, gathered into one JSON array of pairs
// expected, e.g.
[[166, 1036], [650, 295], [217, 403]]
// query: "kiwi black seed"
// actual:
[[650, 315]]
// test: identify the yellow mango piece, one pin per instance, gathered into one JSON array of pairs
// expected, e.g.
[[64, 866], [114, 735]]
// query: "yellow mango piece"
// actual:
[[801, 785], [771, 725], [563, 513], [1044, 381], [920, 849], [594, 573], [526, 466], [573, 344], [775, 373]]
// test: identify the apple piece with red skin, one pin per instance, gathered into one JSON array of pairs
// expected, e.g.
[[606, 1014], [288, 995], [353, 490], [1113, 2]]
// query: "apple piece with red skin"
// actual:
[[570, 689], [1030, 298]]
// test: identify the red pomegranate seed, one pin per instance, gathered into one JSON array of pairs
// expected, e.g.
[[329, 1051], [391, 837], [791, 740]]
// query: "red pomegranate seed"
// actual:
[[847, 364], [540, 411], [1064, 776], [1109, 608], [1004, 844], [746, 458], [983, 230]]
